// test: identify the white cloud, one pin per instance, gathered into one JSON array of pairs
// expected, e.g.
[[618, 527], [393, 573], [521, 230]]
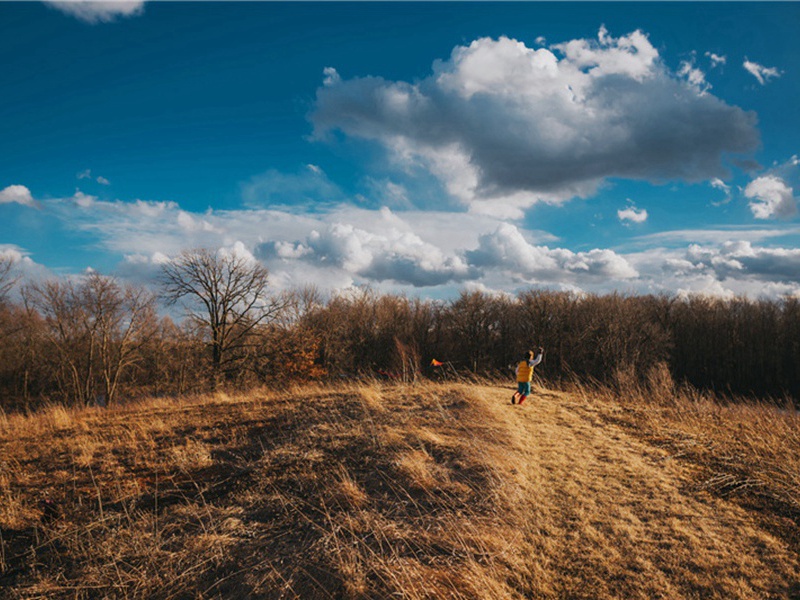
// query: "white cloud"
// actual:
[[718, 184], [771, 198], [694, 76], [336, 246], [99, 11], [716, 59], [631, 56], [719, 268], [194, 223], [439, 252], [103, 181], [18, 194], [761, 73], [507, 249], [237, 250], [386, 254], [23, 265], [680, 237], [83, 200], [632, 214], [742, 260], [706, 287], [503, 126]]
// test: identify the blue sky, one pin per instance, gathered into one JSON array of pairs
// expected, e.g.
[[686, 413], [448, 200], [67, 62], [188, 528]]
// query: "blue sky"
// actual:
[[421, 148]]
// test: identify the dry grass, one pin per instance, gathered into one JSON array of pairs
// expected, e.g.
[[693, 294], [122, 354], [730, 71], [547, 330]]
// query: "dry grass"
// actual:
[[426, 491]]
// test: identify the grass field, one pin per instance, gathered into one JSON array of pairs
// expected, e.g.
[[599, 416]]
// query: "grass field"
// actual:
[[418, 491]]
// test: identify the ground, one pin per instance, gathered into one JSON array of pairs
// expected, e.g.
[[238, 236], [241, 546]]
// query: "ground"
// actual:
[[405, 491]]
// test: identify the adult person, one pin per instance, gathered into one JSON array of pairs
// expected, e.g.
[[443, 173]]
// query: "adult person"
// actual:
[[525, 375]]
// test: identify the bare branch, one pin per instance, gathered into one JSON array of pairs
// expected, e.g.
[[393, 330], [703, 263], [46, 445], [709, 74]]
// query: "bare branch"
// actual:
[[7, 277], [226, 293]]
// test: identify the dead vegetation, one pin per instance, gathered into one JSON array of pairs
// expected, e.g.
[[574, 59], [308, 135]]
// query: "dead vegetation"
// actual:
[[424, 491]]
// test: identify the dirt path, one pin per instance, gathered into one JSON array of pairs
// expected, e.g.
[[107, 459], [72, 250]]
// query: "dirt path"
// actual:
[[617, 517]]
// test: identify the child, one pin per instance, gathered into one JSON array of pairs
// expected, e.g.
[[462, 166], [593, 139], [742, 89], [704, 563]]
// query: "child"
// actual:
[[525, 375]]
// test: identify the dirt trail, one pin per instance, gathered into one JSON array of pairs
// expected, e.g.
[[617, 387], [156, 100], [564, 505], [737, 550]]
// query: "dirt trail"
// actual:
[[615, 516]]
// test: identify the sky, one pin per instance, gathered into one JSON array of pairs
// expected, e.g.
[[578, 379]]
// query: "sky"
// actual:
[[415, 148]]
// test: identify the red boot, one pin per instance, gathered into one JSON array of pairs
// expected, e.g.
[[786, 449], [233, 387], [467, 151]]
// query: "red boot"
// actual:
[[522, 399]]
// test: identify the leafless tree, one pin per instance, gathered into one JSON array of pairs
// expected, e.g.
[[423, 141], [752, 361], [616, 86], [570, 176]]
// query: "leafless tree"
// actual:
[[97, 327], [227, 294], [125, 318], [70, 332], [7, 278]]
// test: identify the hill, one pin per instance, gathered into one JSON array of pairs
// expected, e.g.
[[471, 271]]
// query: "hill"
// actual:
[[386, 491]]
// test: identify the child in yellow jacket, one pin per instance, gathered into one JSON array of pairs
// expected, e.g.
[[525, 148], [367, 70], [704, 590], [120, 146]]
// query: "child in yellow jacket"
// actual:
[[525, 375]]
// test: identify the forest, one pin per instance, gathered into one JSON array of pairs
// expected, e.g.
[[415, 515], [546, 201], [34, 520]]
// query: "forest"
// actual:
[[96, 340]]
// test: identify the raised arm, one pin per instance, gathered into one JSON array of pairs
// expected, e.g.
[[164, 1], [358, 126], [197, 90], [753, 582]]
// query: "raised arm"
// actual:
[[535, 361]]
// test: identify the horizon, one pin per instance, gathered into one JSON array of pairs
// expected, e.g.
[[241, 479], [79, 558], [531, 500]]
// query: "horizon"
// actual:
[[416, 148]]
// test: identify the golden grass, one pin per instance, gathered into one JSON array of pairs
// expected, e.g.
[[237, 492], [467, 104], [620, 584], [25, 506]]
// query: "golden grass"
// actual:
[[425, 491]]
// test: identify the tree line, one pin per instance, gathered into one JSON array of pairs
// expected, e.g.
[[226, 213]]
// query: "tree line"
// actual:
[[97, 340]]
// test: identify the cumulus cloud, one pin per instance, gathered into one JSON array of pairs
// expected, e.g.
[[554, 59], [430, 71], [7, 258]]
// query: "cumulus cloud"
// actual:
[[507, 249], [740, 260], [504, 126], [17, 194], [705, 287], [632, 214], [334, 246], [387, 254], [771, 198], [440, 252], [721, 268], [24, 267], [99, 11], [761, 73]]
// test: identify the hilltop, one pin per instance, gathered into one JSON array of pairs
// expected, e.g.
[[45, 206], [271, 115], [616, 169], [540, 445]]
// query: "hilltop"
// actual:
[[417, 491]]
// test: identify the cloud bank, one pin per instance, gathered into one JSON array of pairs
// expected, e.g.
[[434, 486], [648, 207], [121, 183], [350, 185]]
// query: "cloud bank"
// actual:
[[99, 11], [503, 126], [435, 253]]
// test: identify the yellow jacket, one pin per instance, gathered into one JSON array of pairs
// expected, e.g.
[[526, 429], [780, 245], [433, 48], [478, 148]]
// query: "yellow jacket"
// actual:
[[525, 369]]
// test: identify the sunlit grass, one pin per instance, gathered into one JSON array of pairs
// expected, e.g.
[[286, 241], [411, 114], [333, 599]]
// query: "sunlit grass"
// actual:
[[424, 491]]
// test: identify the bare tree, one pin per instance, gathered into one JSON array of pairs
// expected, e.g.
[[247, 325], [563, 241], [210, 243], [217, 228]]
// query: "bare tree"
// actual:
[[70, 331], [125, 318], [97, 327], [7, 278], [227, 294]]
